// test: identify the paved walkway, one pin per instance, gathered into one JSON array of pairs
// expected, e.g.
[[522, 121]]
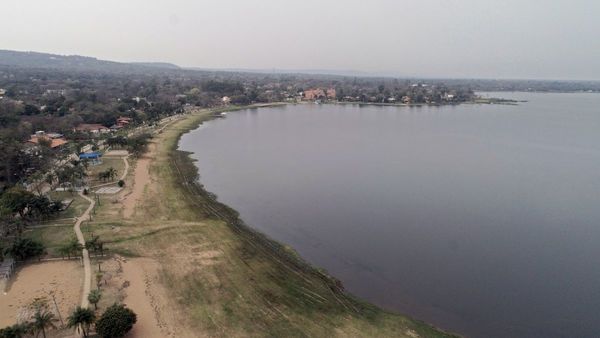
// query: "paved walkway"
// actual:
[[87, 280]]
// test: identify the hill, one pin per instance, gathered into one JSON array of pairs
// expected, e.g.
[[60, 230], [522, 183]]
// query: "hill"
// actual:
[[77, 63]]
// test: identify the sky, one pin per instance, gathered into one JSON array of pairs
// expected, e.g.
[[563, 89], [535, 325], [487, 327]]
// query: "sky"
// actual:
[[536, 39]]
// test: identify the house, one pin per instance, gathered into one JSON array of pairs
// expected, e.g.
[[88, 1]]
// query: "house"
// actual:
[[116, 127], [55, 140], [123, 121], [318, 93], [91, 128], [314, 94], [448, 97], [331, 93]]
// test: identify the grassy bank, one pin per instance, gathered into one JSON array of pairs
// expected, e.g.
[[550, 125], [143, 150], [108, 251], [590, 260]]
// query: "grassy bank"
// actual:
[[220, 277], [245, 284]]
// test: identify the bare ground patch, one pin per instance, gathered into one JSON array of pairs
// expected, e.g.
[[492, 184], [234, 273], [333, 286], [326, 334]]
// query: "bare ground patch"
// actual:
[[38, 281]]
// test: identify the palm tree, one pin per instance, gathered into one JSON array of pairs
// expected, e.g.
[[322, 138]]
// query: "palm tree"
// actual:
[[43, 320], [111, 172], [81, 318], [94, 297]]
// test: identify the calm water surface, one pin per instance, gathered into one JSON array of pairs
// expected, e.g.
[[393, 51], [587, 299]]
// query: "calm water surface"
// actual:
[[480, 219]]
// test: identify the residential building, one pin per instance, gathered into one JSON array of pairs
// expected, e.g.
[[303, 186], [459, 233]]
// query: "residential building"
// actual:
[[91, 128], [55, 139]]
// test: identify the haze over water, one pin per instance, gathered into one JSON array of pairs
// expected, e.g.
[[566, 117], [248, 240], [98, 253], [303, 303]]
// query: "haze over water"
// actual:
[[480, 219]]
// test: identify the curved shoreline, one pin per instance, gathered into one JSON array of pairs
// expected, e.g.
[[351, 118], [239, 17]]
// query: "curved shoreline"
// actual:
[[188, 177]]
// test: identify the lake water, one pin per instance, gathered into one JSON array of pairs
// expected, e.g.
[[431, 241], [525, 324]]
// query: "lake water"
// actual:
[[480, 219]]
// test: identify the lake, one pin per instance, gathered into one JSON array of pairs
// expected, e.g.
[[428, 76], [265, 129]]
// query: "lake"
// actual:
[[479, 219]]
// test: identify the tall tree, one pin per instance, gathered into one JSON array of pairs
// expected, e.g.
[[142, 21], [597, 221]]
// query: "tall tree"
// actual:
[[81, 318], [43, 320], [94, 297]]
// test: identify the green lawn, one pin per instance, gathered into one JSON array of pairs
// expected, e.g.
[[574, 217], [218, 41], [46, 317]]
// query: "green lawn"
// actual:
[[107, 162]]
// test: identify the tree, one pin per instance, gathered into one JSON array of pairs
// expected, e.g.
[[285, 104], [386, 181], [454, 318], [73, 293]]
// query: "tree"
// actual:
[[15, 331], [16, 200], [99, 276], [24, 248], [71, 248], [137, 145], [81, 318], [116, 321], [43, 320], [94, 297], [111, 173]]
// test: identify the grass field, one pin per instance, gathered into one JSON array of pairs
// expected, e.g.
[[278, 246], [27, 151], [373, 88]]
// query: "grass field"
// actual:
[[107, 162]]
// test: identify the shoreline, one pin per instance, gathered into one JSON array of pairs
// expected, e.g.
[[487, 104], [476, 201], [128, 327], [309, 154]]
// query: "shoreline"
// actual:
[[188, 176]]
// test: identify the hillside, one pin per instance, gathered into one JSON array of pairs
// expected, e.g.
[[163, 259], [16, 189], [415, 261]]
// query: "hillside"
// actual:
[[77, 63]]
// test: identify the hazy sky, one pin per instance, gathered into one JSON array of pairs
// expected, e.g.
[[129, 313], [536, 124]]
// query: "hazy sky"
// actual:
[[448, 38]]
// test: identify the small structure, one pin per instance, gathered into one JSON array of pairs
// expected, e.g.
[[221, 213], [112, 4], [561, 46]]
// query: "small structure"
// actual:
[[94, 157], [54, 139], [7, 268], [91, 128], [226, 100], [124, 120], [121, 123]]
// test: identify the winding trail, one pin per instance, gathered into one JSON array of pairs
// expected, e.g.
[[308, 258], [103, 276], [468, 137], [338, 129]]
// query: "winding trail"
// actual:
[[125, 171], [87, 280]]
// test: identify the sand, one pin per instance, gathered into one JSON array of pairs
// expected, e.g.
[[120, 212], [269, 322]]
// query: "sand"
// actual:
[[135, 283], [146, 298], [141, 177], [32, 281]]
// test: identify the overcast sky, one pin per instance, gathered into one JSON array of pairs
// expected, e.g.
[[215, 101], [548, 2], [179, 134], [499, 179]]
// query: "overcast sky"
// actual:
[[557, 39]]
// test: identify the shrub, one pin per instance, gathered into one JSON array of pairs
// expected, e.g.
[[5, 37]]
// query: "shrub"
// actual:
[[24, 248], [121, 183], [115, 322], [15, 331]]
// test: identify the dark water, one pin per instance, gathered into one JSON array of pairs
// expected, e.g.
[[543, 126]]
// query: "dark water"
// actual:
[[480, 219]]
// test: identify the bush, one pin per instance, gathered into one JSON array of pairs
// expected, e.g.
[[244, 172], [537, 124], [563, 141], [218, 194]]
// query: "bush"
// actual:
[[15, 331], [115, 322], [24, 248], [121, 183]]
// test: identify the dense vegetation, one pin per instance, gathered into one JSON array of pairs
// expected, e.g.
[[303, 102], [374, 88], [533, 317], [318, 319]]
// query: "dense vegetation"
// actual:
[[115, 322]]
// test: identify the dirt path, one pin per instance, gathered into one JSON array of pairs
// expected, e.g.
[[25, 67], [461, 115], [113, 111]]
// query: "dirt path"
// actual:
[[141, 177], [146, 298], [87, 280], [126, 170]]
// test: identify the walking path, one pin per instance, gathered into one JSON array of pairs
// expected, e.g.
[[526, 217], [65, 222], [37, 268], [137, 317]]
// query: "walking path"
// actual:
[[87, 280], [125, 171]]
